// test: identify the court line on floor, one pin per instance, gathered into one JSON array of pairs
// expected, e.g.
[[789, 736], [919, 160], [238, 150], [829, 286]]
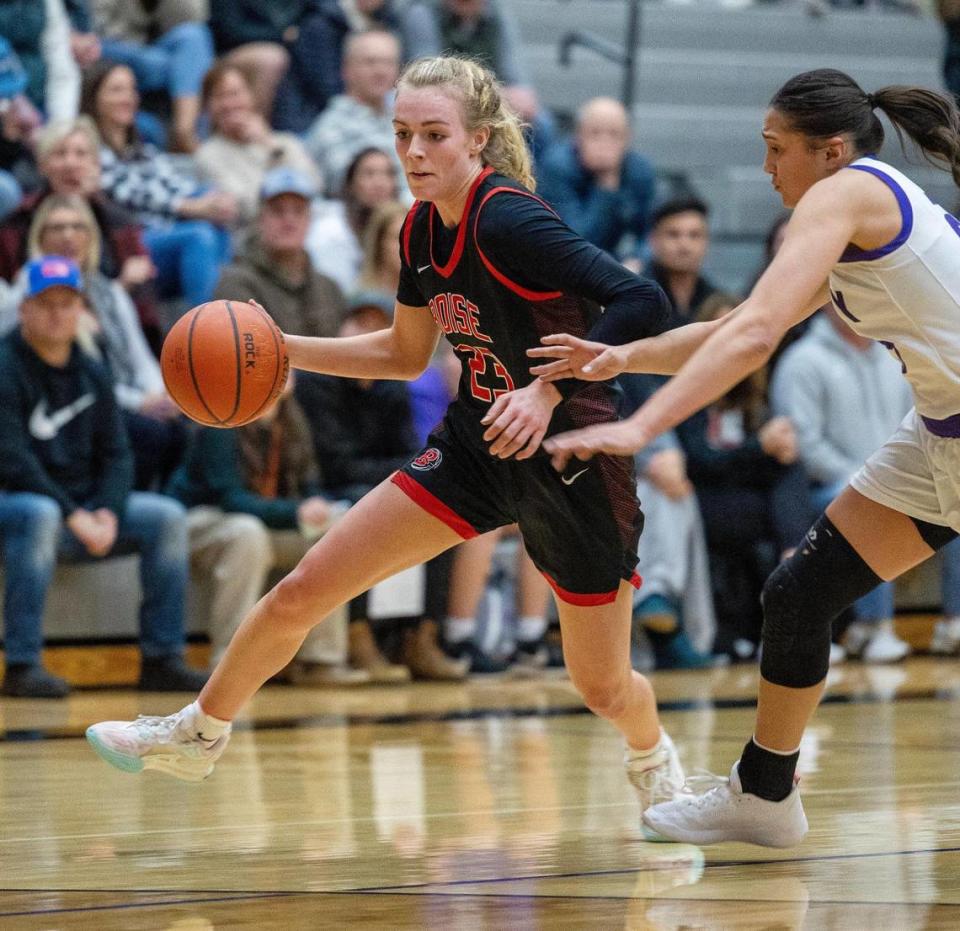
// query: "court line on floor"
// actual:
[[17, 735], [400, 888], [122, 906]]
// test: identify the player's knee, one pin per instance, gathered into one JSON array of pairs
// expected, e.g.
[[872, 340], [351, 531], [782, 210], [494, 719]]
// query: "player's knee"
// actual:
[[292, 601], [605, 698]]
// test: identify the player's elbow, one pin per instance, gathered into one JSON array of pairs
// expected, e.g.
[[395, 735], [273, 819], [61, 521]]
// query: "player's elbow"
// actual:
[[756, 340]]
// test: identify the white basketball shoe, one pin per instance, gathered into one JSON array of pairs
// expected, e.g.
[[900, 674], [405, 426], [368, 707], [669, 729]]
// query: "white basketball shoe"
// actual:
[[167, 745], [726, 813], [656, 776]]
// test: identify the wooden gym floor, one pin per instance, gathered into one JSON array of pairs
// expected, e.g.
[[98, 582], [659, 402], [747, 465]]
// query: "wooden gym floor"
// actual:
[[497, 804]]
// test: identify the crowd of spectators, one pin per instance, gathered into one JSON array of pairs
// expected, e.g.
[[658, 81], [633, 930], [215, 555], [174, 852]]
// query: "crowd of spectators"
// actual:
[[157, 155]]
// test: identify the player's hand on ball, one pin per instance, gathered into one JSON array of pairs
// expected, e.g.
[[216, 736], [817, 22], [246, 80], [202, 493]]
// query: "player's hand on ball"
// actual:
[[517, 421], [618, 438], [577, 358]]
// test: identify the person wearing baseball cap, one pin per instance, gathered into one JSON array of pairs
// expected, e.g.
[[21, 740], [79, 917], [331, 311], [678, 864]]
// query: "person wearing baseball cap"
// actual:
[[274, 268], [66, 476]]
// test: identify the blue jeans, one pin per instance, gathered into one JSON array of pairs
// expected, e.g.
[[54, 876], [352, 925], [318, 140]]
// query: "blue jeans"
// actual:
[[34, 536], [879, 605], [176, 62], [188, 255]]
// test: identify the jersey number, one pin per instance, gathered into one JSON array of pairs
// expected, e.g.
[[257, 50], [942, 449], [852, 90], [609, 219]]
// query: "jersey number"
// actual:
[[489, 377]]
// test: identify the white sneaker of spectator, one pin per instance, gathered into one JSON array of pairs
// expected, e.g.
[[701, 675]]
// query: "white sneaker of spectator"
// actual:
[[946, 637]]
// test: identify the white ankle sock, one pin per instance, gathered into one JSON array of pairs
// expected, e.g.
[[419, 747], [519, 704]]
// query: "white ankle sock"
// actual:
[[458, 629], [638, 756], [203, 725], [531, 628]]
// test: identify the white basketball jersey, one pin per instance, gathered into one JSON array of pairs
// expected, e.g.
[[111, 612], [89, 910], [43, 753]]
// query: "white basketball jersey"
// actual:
[[906, 294]]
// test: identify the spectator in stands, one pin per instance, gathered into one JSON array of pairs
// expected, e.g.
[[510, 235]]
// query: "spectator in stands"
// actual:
[[751, 489], [242, 147], [844, 394], [316, 57], [66, 471], [469, 576], [167, 45], [39, 32], [65, 225], [257, 36], [675, 605], [600, 186], [275, 270], [362, 432], [19, 121], [679, 240], [237, 484], [336, 233], [380, 270], [68, 156], [949, 11], [186, 223], [360, 117], [84, 42], [486, 30], [482, 29]]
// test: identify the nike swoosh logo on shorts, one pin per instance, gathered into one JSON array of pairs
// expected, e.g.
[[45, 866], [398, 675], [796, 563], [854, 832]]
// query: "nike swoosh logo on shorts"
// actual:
[[45, 426], [573, 478], [422, 269]]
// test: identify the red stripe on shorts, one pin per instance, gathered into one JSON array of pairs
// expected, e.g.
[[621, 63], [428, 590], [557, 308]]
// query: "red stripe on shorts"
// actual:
[[589, 601], [433, 505]]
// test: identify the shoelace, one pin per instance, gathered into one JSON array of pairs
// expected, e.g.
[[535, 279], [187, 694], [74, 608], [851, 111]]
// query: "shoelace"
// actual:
[[702, 781], [154, 725]]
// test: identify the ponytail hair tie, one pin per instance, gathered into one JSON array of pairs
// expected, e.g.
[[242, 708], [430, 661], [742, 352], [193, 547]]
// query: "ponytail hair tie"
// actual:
[[872, 101]]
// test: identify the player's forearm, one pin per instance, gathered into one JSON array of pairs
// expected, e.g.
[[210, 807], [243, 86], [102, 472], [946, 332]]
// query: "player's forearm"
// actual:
[[723, 361], [371, 355], [666, 353]]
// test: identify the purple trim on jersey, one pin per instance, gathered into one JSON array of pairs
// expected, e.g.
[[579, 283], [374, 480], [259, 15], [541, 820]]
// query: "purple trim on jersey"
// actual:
[[948, 428], [853, 253]]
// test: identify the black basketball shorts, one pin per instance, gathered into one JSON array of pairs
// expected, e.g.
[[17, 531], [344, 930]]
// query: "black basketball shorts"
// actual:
[[580, 528]]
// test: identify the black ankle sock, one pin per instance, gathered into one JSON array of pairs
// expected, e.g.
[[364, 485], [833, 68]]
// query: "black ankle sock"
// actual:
[[769, 775]]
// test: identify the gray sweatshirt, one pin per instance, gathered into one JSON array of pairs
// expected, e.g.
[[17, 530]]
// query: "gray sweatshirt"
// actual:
[[844, 402]]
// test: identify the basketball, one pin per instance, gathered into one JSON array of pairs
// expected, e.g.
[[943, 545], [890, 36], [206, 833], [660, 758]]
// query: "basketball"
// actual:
[[224, 363]]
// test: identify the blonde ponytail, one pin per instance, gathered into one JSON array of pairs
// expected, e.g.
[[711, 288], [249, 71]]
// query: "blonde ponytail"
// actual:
[[506, 150]]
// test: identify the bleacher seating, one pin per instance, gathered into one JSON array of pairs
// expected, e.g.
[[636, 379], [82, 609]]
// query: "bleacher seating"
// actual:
[[704, 78]]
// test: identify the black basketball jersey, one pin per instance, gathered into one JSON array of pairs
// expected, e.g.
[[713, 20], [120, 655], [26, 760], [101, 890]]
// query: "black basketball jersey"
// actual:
[[489, 316]]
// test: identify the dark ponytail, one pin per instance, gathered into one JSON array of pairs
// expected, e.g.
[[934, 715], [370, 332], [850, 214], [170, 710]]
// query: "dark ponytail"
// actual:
[[827, 102]]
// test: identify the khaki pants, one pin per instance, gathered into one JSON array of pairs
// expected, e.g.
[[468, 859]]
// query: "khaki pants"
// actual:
[[234, 555]]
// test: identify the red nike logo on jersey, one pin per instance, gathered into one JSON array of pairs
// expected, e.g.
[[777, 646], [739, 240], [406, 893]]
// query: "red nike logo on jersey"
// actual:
[[455, 314]]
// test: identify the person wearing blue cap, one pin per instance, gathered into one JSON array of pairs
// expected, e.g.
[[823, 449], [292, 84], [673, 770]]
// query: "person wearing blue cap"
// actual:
[[275, 269], [66, 474]]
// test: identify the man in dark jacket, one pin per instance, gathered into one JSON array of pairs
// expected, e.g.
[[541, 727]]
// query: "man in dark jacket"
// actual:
[[65, 477], [275, 269]]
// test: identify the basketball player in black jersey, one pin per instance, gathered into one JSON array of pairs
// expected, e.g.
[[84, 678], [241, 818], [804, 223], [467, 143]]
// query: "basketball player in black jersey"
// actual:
[[491, 267]]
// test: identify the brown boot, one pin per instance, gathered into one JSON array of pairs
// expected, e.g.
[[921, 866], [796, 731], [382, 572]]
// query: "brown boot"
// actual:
[[363, 653], [425, 659], [319, 675]]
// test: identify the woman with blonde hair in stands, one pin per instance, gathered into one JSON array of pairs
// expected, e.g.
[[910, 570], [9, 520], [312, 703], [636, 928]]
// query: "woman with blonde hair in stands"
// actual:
[[489, 265]]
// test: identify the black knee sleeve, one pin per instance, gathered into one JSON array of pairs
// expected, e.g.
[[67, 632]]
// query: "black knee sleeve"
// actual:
[[801, 600]]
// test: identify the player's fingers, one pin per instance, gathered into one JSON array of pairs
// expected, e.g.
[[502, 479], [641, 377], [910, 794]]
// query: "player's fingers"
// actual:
[[533, 444], [550, 352], [496, 409], [500, 424], [602, 364], [559, 339], [506, 436], [517, 443], [552, 371]]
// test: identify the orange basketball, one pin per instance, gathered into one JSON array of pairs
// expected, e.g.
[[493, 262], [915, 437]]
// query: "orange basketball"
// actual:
[[224, 363]]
